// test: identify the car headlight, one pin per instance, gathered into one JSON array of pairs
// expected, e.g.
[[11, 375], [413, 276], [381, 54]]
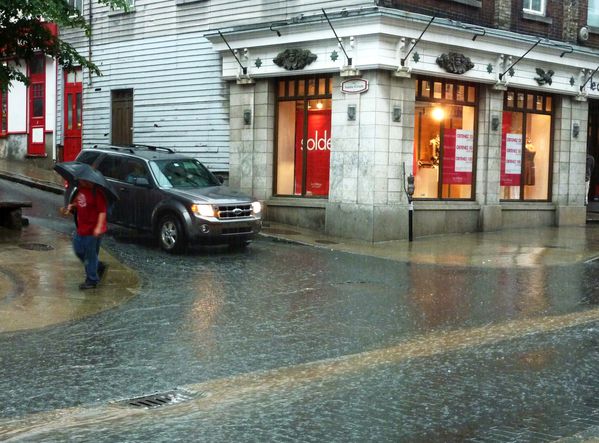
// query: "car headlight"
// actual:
[[256, 207], [203, 210]]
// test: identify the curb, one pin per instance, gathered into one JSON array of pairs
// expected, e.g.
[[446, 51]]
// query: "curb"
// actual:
[[39, 184]]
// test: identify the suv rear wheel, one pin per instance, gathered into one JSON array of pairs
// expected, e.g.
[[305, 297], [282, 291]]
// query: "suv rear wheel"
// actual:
[[171, 235]]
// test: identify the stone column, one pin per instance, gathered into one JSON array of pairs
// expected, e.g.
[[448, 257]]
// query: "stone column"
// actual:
[[366, 193], [488, 158], [251, 144], [569, 161], [503, 13], [571, 14]]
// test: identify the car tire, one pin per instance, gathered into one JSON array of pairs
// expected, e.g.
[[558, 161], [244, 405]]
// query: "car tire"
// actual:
[[171, 235]]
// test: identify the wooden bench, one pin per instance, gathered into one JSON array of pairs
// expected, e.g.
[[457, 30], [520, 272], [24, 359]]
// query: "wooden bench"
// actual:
[[11, 213]]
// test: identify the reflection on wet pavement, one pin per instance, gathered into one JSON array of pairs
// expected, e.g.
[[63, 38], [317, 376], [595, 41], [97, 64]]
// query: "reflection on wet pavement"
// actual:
[[37, 292]]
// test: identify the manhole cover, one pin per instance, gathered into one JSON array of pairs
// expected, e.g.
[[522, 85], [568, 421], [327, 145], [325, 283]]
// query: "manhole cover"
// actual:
[[326, 242], [159, 399], [35, 246], [281, 231]]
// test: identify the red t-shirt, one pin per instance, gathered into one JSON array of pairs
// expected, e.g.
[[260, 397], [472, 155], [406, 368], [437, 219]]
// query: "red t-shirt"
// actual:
[[89, 205]]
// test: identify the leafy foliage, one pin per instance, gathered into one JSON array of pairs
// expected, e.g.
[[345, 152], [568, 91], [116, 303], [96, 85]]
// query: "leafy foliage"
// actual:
[[24, 32]]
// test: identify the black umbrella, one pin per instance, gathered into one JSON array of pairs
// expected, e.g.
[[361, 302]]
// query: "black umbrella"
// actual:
[[74, 171]]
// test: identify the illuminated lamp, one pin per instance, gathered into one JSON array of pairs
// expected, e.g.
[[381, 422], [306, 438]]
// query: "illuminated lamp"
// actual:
[[438, 114]]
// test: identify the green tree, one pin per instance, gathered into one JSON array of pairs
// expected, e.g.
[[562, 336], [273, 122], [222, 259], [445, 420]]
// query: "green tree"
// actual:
[[23, 33]]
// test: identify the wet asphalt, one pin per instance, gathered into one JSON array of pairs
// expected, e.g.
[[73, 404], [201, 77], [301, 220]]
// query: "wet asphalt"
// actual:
[[286, 342]]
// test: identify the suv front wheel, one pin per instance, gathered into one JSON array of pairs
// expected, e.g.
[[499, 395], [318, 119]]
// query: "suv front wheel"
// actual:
[[171, 235]]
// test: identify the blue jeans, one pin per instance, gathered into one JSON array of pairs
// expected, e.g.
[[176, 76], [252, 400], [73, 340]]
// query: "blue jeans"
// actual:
[[87, 249]]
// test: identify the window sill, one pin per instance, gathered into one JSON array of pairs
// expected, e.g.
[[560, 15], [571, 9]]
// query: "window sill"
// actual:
[[299, 202], [446, 205], [593, 29], [120, 12], [474, 3], [186, 2], [537, 18], [527, 206]]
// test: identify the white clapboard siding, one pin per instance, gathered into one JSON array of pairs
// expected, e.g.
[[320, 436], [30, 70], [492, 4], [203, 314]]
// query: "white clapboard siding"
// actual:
[[159, 51]]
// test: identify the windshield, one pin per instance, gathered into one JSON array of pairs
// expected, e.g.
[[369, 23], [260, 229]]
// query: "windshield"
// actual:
[[182, 173]]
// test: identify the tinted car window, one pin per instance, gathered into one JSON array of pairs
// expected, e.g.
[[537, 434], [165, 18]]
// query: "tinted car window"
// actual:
[[112, 167], [183, 173], [88, 157], [135, 169]]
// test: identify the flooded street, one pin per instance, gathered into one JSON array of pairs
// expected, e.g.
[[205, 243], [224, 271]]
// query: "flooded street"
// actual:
[[286, 342]]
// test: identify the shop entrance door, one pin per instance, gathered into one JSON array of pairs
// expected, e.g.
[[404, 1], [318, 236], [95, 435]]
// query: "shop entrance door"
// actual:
[[36, 146], [72, 114], [593, 149]]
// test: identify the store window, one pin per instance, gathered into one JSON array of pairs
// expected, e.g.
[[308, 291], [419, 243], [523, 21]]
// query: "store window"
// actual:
[[303, 136], [3, 111], [534, 6], [444, 141], [526, 146], [593, 13]]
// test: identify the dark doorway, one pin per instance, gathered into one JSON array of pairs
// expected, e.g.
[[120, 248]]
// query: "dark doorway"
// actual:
[[122, 117], [593, 149]]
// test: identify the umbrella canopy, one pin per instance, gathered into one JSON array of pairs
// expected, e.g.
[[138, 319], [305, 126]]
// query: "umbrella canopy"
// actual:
[[75, 171]]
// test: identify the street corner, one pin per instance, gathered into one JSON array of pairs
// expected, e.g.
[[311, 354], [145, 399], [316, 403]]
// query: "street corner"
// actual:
[[40, 277]]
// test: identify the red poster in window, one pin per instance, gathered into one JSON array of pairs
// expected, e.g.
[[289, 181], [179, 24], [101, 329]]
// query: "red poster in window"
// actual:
[[458, 149], [318, 147]]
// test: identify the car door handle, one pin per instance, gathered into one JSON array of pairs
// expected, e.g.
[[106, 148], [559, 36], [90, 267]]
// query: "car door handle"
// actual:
[[123, 190]]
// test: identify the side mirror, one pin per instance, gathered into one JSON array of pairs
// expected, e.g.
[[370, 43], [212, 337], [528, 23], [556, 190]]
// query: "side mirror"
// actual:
[[221, 179], [142, 181]]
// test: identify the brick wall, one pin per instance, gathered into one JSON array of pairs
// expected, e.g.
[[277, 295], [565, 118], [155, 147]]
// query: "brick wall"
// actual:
[[549, 26], [468, 11], [563, 19]]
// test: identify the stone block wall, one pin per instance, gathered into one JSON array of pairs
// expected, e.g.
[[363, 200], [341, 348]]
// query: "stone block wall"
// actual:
[[366, 198], [569, 152], [251, 145]]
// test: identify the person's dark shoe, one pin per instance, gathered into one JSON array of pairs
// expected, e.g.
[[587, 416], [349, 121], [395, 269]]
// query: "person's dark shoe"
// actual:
[[102, 269], [87, 285]]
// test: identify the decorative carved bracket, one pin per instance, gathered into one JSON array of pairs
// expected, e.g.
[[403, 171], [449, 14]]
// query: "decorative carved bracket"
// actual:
[[294, 59], [455, 63], [544, 77]]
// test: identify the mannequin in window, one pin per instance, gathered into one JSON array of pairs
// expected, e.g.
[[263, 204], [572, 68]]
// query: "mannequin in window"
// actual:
[[529, 163]]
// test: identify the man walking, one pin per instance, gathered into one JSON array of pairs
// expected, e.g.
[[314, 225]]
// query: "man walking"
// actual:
[[90, 204]]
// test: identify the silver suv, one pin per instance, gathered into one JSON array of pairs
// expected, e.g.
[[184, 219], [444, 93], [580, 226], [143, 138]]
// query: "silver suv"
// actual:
[[174, 196]]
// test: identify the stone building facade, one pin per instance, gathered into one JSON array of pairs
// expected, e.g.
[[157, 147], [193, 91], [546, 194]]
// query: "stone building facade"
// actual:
[[516, 83]]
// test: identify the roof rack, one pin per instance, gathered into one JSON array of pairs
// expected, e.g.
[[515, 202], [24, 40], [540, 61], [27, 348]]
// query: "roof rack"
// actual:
[[153, 148], [114, 148]]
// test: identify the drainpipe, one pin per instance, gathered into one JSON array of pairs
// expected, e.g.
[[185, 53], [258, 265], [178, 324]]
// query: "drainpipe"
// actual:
[[89, 39]]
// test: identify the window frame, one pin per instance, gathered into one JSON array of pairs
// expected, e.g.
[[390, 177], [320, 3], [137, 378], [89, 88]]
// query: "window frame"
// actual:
[[594, 26], [525, 110], [542, 12], [420, 97], [76, 4], [290, 94]]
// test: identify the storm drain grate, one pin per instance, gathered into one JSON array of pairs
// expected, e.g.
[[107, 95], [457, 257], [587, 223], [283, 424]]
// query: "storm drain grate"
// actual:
[[35, 246], [159, 399]]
